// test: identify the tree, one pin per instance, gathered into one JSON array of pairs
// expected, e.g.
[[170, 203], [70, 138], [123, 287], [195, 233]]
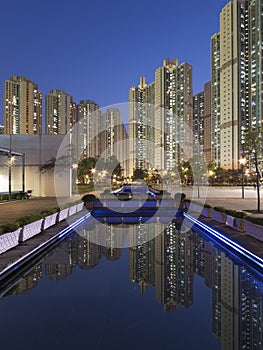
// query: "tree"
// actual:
[[85, 166], [185, 172], [198, 170], [139, 173], [253, 150]]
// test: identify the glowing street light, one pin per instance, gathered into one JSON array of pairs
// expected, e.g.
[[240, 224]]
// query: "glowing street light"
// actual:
[[242, 161]]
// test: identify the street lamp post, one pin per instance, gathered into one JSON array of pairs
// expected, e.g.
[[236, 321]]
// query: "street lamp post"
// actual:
[[242, 161]]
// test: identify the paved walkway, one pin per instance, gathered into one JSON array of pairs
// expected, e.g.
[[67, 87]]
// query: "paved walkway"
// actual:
[[10, 211], [230, 198]]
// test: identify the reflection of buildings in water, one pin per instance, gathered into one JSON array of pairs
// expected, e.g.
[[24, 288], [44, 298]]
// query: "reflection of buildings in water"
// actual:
[[251, 297], [165, 263], [142, 254], [28, 282], [216, 293], [88, 254], [114, 241], [237, 298], [141, 264], [241, 307], [174, 268], [58, 265], [108, 235]]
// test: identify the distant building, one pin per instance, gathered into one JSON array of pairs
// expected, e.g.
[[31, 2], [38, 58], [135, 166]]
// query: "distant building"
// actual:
[[89, 126], [1, 129], [60, 112], [22, 106], [207, 123], [198, 123], [114, 138]]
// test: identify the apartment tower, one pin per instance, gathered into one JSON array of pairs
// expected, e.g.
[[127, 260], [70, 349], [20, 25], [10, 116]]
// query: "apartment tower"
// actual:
[[22, 106], [60, 112], [173, 114], [141, 126]]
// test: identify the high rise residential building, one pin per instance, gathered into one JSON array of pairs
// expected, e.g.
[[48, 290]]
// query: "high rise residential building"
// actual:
[[202, 123], [89, 128], [114, 138], [236, 79], [230, 85], [198, 123], [60, 112], [22, 106], [215, 98], [255, 69], [141, 126], [207, 123], [173, 114]]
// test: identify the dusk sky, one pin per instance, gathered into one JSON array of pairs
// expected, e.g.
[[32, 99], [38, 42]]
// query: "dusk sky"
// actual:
[[99, 49]]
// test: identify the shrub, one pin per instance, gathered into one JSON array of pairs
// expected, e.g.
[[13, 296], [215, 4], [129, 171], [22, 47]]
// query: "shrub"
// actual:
[[255, 220], [220, 209], [9, 227], [88, 198], [206, 205], [235, 213], [28, 219]]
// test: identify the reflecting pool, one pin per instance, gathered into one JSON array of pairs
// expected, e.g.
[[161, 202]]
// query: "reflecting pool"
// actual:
[[176, 291]]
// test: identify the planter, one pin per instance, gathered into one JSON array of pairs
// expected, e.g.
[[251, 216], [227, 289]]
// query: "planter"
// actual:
[[9, 240], [206, 212], [79, 207], [236, 223], [254, 230], [63, 214], [31, 230], [194, 208], [218, 216], [187, 204], [72, 210], [50, 220]]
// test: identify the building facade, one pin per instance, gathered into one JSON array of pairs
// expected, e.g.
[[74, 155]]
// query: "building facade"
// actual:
[[89, 128], [173, 114], [22, 106], [60, 112], [207, 123], [236, 56], [198, 123], [141, 126], [215, 98], [114, 138]]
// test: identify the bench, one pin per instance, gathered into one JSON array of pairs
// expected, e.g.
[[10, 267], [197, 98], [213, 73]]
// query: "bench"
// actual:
[[25, 195]]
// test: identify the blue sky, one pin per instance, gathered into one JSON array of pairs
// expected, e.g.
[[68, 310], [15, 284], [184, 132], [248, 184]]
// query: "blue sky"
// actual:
[[99, 49]]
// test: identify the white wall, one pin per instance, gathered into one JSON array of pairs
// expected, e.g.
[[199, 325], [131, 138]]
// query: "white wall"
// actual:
[[38, 150]]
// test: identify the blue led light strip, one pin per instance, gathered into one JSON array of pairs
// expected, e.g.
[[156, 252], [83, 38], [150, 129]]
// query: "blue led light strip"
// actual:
[[243, 251]]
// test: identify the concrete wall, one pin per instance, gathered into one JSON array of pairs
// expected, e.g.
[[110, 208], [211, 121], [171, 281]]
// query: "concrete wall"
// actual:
[[38, 150]]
